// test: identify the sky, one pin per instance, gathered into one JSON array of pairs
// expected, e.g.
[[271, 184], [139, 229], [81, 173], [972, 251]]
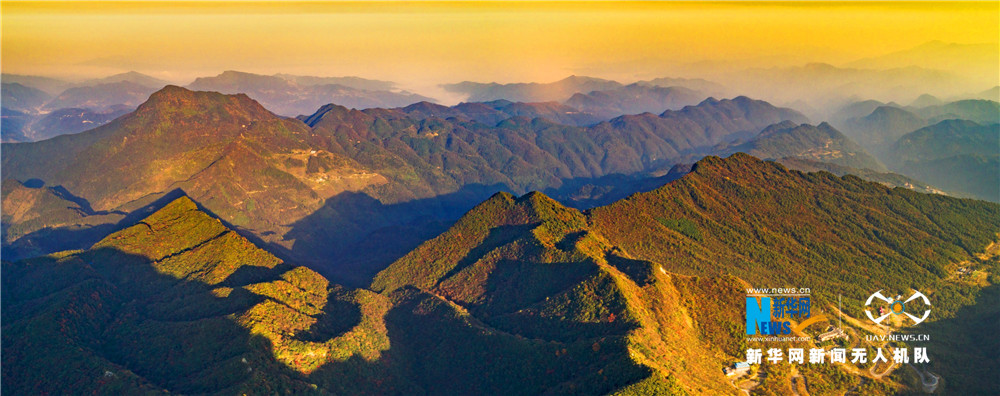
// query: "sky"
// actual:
[[428, 43]]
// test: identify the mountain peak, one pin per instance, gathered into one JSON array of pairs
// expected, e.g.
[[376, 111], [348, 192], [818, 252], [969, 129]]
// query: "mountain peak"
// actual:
[[822, 142], [708, 101], [179, 237], [501, 196], [736, 163], [177, 226], [825, 126], [331, 111], [172, 96], [133, 77], [887, 109], [575, 79], [781, 126], [426, 106], [926, 100], [742, 99], [170, 90], [537, 200], [234, 73], [130, 75], [528, 208]]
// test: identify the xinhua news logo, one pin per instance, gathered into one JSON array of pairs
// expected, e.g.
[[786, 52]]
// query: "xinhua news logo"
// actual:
[[768, 311]]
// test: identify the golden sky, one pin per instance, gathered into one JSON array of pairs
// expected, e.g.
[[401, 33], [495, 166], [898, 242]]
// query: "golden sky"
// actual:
[[421, 43]]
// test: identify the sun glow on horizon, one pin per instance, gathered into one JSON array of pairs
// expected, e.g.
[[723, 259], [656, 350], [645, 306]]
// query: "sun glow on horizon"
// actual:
[[428, 43]]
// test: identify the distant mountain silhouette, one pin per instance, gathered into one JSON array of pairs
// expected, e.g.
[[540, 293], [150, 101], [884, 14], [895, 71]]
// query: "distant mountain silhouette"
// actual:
[[695, 84], [50, 86], [22, 98], [978, 59], [634, 99], [68, 121], [823, 86], [13, 126], [926, 100], [818, 143], [856, 109], [492, 113], [102, 97], [132, 77], [956, 155], [352, 82], [558, 91], [883, 126], [293, 95], [980, 111]]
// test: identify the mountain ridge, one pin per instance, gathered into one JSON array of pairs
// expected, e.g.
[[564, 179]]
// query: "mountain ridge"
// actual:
[[673, 240], [958, 156], [819, 143], [295, 95], [628, 298]]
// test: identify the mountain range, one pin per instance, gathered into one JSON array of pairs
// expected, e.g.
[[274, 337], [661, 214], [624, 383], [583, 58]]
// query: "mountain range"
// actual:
[[31, 114], [103, 96], [291, 95], [581, 109], [132, 77], [968, 59], [603, 218], [597, 98], [704, 86], [949, 160], [643, 296], [821, 143], [955, 155], [296, 95], [22, 98], [558, 91], [819, 88], [174, 231], [297, 185], [339, 182], [492, 113], [634, 99], [51, 86], [883, 126]]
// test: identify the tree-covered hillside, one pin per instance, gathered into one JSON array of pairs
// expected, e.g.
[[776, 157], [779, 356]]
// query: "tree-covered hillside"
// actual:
[[522, 295]]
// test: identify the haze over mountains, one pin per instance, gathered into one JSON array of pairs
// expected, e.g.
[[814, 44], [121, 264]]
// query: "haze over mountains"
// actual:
[[957, 155], [498, 198], [969, 173], [652, 144], [634, 99], [46, 107], [820, 143], [339, 235], [602, 142], [293, 183], [292, 95], [212, 238]]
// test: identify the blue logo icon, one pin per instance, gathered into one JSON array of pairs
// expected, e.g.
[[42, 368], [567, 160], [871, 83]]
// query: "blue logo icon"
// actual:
[[764, 316]]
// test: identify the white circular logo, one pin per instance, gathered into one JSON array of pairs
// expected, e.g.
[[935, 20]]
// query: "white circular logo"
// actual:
[[897, 306]]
